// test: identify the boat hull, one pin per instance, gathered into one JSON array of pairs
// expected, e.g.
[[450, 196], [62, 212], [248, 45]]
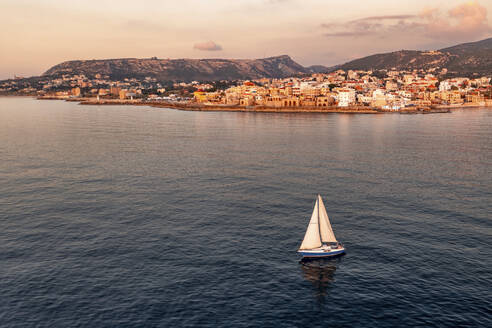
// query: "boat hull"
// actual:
[[322, 253]]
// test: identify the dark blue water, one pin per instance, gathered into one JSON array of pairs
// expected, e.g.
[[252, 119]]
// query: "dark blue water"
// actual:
[[143, 217]]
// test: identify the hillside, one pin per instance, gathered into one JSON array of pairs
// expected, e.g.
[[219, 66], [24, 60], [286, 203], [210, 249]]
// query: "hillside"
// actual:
[[462, 59], [474, 58], [183, 69]]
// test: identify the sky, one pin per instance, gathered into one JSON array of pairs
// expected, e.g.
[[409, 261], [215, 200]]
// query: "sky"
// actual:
[[35, 35]]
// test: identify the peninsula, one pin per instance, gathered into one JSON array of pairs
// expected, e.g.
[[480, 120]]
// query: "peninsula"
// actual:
[[402, 81]]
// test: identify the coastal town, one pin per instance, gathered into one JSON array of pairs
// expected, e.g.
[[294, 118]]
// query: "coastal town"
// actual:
[[339, 91]]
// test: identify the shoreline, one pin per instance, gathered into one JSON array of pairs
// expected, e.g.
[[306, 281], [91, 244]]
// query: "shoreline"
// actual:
[[256, 109], [251, 109]]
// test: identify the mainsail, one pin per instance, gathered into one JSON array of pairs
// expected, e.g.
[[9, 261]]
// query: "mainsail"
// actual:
[[319, 229], [312, 238]]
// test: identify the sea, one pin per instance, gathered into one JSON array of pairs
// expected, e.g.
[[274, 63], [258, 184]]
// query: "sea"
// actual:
[[133, 216]]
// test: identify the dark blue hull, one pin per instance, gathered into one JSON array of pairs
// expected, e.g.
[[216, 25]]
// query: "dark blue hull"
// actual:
[[322, 254]]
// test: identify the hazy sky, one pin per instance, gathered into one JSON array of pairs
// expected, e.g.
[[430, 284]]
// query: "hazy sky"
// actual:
[[35, 35]]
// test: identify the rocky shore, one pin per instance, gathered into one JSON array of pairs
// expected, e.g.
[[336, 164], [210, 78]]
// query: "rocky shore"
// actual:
[[189, 106]]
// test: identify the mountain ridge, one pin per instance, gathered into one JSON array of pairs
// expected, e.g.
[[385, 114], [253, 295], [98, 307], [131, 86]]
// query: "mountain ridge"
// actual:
[[471, 58], [184, 69], [465, 59]]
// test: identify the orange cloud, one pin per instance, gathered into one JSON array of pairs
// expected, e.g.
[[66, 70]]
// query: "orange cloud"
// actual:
[[467, 20], [463, 22], [207, 46]]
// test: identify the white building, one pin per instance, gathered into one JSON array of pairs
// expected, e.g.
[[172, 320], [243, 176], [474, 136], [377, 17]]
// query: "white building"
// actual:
[[364, 99], [445, 86], [351, 75], [346, 97], [378, 93]]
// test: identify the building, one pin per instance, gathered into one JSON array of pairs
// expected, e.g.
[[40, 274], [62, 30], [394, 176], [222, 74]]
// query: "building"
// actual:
[[200, 96], [247, 101], [351, 75], [273, 101], [125, 94], [475, 97], [290, 102], [324, 101], [391, 85], [114, 91], [75, 92], [231, 98], [451, 97], [346, 97]]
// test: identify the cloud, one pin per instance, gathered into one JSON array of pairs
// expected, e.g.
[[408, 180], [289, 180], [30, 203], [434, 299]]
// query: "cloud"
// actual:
[[348, 33], [463, 22], [207, 46], [467, 20], [142, 25], [387, 17], [372, 25], [272, 2]]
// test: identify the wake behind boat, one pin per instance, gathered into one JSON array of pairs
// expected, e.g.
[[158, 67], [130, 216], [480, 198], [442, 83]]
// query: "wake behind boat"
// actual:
[[319, 240]]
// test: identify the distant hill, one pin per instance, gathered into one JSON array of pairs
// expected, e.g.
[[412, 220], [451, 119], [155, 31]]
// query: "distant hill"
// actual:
[[462, 59], [319, 69], [184, 69]]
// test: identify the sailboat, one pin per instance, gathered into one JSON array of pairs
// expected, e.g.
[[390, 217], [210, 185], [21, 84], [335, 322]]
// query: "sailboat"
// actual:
[[319, 240]]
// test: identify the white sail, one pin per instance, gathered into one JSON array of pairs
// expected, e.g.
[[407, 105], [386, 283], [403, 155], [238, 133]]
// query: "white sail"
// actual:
[[312, 238], [326, 231]]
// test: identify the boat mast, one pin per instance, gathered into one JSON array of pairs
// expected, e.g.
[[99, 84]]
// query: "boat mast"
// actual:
[[319, 226]]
